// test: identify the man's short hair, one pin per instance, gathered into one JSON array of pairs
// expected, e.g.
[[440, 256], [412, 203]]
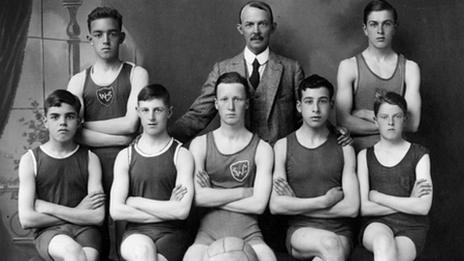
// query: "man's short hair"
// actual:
[[315, 82], [257, 4], [154, 91], [57, 97], [392, 98], [104, 12], [233, 77], [379, 5]]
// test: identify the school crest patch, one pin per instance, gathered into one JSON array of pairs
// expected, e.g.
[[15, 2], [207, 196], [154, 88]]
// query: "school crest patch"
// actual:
[[240, 170], [105, 95]]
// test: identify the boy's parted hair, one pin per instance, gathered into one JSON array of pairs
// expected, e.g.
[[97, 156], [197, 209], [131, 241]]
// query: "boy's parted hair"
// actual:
[[104, 12], [154, 91], [315, 82], [392, 98], [233, 77], [57, 97], [379, 5]]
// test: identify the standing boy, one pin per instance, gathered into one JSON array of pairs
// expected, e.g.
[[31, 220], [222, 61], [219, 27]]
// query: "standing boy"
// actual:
[[108, 93], [60, 191], [233, 174], [377, 69], [315, 180], [153, 185]]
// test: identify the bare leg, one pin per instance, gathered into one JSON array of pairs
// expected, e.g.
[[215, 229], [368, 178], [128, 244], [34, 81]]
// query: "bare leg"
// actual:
[[138, 247], [406, 248], [322, 244], [91, 253], [63, 247], [195, 252], [379, 239], [264, 252]]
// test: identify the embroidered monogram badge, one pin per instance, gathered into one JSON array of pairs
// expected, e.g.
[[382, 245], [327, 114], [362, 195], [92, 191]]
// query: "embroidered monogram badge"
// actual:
[[240, 170], [105, 95]]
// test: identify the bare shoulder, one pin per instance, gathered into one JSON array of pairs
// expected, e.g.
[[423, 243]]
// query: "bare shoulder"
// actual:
[[411, 67], [348, 65], [76, 83]]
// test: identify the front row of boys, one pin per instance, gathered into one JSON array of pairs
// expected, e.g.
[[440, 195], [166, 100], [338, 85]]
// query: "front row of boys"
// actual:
[[315, 183]]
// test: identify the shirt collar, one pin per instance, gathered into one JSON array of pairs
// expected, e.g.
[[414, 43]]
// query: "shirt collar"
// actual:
[[262, 57]]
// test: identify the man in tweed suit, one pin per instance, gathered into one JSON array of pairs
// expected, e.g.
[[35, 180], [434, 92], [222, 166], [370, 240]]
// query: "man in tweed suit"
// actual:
[[272, 113]]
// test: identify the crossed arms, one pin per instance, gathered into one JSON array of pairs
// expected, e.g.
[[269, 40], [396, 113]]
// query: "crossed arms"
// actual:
[[37, 213]]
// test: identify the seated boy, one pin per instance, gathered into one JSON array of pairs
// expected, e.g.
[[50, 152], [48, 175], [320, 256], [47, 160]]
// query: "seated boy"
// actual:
[[315, 180], [395, 185], [60, 191], [233, 174], [153, 185]]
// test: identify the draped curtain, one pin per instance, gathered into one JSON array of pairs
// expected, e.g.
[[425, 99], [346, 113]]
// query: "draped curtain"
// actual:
[[14, 24]]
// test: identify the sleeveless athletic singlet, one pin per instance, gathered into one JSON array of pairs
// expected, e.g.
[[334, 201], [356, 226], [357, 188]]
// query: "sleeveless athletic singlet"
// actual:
[[153, 176], [107, 102], [368, 85], [397, 180], [231, 170], [61, 181]]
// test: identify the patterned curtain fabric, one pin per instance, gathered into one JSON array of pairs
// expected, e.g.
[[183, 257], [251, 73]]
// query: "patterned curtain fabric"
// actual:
[[14, 24]]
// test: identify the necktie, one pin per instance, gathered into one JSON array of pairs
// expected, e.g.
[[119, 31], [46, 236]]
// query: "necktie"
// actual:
[[254, 78]]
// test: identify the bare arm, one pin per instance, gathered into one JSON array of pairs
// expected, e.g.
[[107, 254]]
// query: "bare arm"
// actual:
[[419, 202], [91, 137], [119, 210], [90, 211], [368, 207], [200, 113], [256, 204], [412, 96], [283, 200], [349, 205], [128, 124], [178, 207], [29, 217], [357, 123]]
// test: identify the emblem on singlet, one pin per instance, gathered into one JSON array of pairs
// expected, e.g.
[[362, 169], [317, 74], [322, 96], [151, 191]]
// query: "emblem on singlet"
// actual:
[[240, 170], [105, 95]]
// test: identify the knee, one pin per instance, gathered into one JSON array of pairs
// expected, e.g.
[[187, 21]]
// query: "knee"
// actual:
[[142, 251], [384, 243], [74, 250], [332, 248]]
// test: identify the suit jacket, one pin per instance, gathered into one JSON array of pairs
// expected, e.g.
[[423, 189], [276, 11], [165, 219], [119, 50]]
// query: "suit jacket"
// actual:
[[272, 113]]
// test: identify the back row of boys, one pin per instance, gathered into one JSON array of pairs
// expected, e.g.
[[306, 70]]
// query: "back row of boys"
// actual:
[[232, 165]]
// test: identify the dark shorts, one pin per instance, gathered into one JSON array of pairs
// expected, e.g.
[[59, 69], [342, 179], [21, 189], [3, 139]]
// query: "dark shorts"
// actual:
[[171, 242], [86, 236], [339, 226], [220, 223], [402, 225]]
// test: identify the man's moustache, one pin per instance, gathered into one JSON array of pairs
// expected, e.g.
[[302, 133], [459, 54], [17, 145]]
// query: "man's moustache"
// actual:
[[256, 37]]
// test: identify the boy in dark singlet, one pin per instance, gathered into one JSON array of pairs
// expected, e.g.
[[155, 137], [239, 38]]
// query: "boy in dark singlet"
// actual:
[[315, 180], [60, 191], [108, 93], [377, 69], [395, 185], [233, 174], [153, 185]]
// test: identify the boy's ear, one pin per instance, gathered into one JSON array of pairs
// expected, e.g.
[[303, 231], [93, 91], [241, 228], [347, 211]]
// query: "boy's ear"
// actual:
[[122, 37], [170, 111], [298, 106]]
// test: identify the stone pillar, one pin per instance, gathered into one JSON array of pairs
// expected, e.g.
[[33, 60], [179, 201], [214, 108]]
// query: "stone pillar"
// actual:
[[73, 32]]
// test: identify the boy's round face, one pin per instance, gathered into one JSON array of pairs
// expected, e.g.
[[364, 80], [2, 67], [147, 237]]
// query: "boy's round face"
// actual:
[[380, 28], [62, 122], [154, 115], [315, 106], [231, 102], [105, 37], [390, 120]]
